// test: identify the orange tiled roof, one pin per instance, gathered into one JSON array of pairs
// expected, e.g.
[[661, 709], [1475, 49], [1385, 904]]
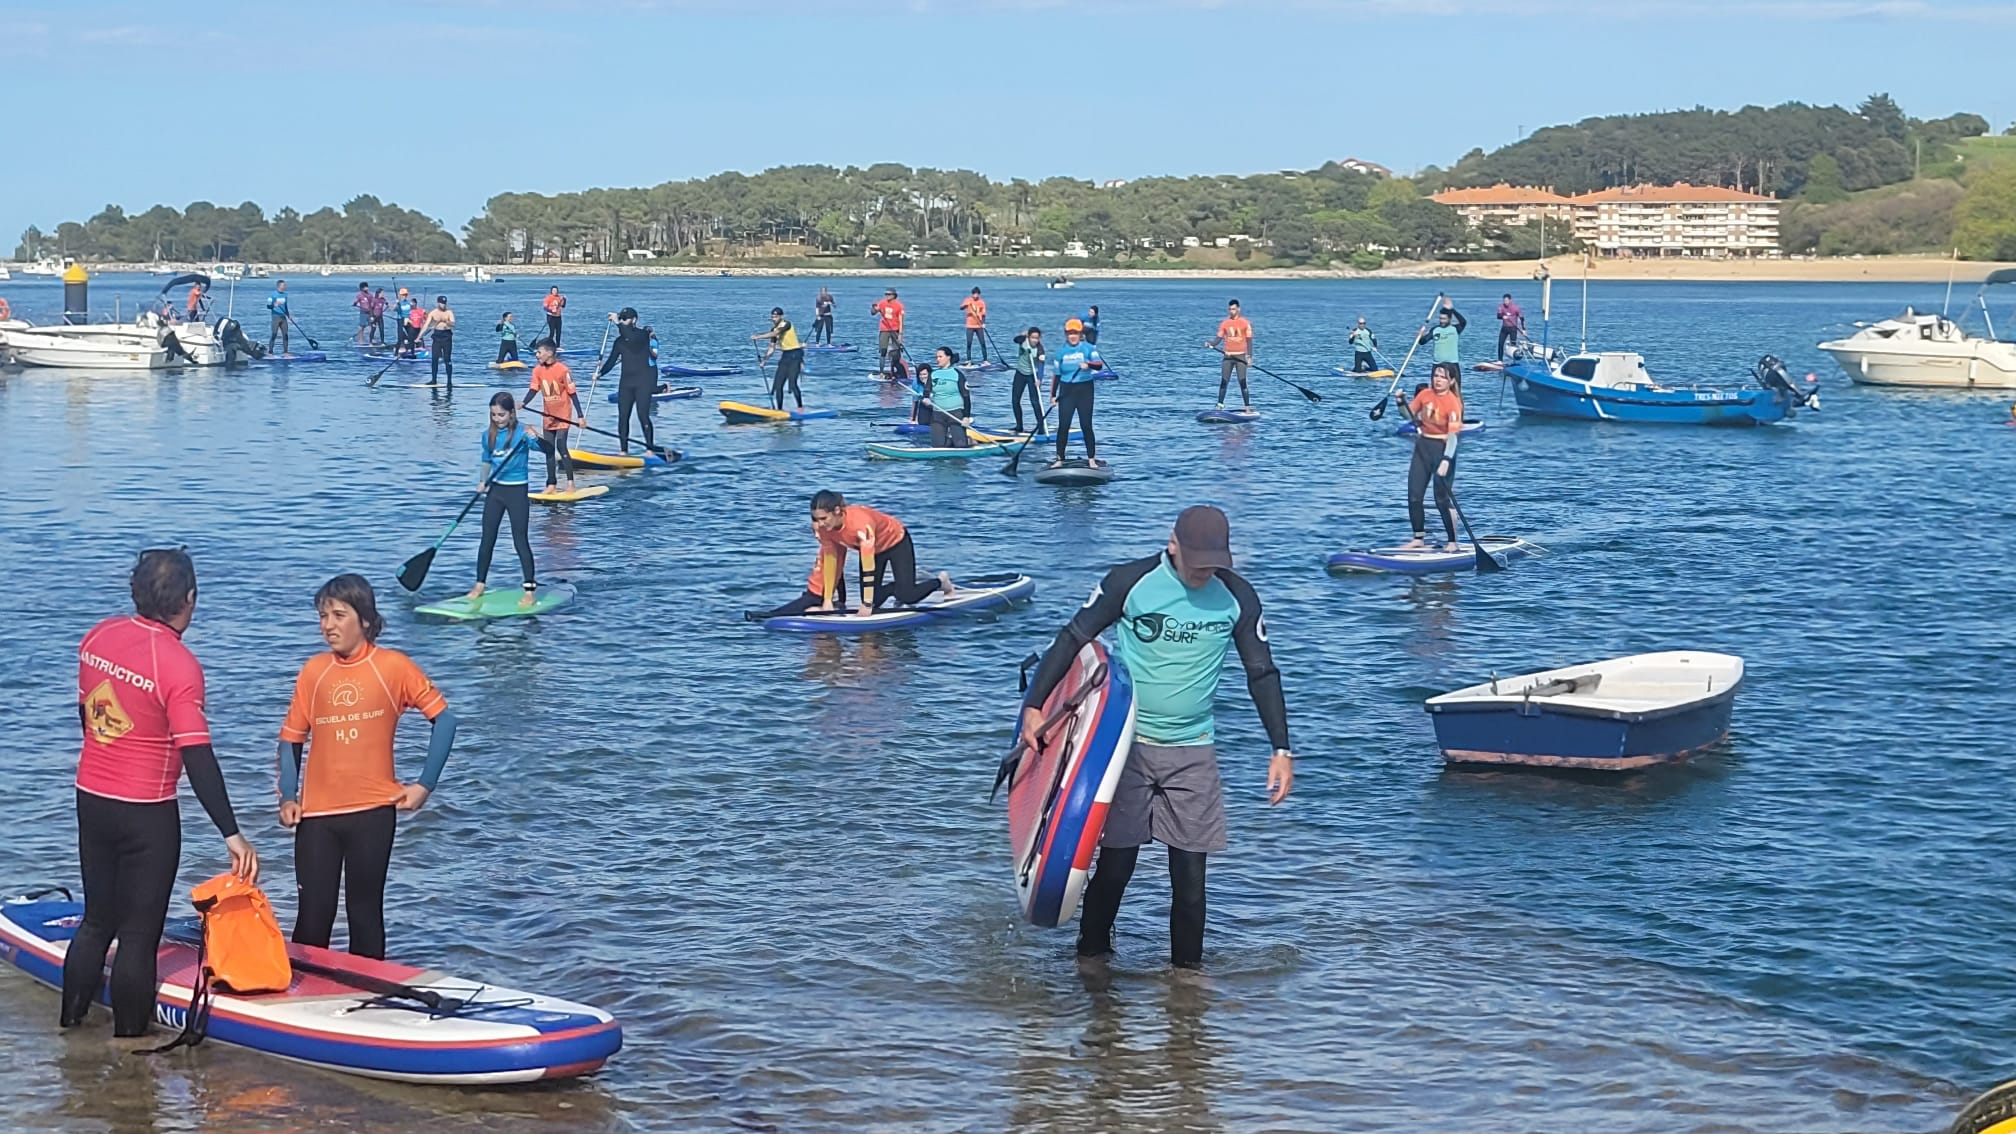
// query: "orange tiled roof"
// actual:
[[1499, 194], [1677, 193]]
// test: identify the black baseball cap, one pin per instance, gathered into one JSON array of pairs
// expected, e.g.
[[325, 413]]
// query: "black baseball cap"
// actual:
[[1205, 536], [629, 313]]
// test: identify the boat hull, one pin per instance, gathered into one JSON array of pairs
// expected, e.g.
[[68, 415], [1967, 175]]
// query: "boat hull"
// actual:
[[1922, 369], [1542, 393]]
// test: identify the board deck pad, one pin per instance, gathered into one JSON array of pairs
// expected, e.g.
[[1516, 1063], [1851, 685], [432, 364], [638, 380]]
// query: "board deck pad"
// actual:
[[1074, 471], [562, 496], [501, 602], [970, 596]]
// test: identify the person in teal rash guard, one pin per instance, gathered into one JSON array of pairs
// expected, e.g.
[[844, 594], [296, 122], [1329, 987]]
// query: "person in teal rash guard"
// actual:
[[1073, 389], [1178, 613], [1364, 344], [1449, 324], [277, 304]]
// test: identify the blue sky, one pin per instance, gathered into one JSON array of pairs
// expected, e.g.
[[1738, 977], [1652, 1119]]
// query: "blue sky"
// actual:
[[438, 105]]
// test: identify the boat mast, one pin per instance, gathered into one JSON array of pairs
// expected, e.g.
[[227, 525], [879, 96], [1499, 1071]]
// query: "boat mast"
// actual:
[[1585, 302], [1951, 265]]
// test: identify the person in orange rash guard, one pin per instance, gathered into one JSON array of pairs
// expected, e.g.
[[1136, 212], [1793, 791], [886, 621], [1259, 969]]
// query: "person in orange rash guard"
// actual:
[[976, 323], [885, 549]]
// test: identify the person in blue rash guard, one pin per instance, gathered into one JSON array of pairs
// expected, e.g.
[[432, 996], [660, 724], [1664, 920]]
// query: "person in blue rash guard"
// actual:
[[503, 485], [277, 304], [1179, 613], [1072, 389]]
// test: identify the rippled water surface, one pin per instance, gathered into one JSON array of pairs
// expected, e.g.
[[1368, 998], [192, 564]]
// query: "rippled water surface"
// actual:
[[774, 858]]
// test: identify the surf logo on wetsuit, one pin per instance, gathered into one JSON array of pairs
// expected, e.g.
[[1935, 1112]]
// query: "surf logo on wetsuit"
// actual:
[[107, 717], [1154, 626]]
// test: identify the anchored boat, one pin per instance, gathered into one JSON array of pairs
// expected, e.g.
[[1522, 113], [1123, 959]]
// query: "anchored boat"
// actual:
[[1918, 349], [1614, 386]]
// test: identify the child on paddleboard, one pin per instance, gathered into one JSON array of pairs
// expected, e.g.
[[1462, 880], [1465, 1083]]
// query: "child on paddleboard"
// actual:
[[1437, 413], [343, 804], [502, 483], [507, 339], [559, 408]]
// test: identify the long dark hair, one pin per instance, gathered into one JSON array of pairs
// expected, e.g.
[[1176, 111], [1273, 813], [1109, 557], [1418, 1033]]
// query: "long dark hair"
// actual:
[[510, 404], [354, 591]]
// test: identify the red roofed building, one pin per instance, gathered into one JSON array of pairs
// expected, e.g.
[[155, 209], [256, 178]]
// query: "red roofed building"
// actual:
[[1506, 205], [1702, 221]]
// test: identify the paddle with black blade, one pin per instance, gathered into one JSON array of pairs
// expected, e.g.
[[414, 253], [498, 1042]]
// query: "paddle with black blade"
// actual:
[[1014, 465], [1379, 411], [1305, 391], [414, 573], [665, 453], [373, 380], [1486, 562], [312, 344]]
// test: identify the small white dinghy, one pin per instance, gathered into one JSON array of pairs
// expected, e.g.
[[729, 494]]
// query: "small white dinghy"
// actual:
[[1615, 715]]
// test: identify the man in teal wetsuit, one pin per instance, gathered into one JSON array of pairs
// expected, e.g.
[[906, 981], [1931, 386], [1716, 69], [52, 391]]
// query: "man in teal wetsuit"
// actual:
[[1449, 323], [1181, 612]]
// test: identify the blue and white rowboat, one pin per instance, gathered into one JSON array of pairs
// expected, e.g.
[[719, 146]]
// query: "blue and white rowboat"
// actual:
[[1614, 386]]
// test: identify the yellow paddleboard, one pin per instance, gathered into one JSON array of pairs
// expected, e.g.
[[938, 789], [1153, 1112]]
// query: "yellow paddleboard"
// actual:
[[592, 460], [739, 413], [509, 366], [562, 496]]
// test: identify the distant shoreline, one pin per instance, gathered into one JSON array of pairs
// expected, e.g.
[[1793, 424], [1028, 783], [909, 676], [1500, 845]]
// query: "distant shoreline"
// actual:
[[1871, 269]]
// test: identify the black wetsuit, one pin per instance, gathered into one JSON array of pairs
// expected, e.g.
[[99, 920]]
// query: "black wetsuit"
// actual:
[[635, 383]]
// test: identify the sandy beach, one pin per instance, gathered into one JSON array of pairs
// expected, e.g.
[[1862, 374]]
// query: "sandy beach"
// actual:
[[1871, 269]]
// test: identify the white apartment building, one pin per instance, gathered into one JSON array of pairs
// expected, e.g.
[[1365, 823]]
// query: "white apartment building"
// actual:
[[1696, 221]]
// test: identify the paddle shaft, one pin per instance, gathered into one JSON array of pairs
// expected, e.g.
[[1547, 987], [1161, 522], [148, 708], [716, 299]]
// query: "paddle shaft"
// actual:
[[312, 344], [1306, 391], [1014, 465], [1379, 410], [1486, 562], [572, 424]]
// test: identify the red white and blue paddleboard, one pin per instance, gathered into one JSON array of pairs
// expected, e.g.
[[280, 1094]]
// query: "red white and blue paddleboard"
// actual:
[[491, 1035], [1063, 783]]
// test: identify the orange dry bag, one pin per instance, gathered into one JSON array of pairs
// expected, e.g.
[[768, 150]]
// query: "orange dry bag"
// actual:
[[242, 950]]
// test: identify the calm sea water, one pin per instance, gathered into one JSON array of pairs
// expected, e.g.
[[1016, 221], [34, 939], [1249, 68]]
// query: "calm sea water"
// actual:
[[774, 858]]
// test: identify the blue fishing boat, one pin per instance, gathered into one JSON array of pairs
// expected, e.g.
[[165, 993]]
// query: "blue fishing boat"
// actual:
[[1614, 386], [1616, 715]]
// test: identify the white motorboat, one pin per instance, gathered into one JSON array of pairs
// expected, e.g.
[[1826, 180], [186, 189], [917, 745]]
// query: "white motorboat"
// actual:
[[45, 266], [4, 274], [1920, 349], [140, 345], [225, 271], [1057, 283], [478, 275]]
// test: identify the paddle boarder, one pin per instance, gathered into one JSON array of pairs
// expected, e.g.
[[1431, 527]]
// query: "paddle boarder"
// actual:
[[1234, 340], [507, 339], [402, 313], [276, 304], [976, 324], [553, 382], [379, 305], [1449, 323], [1029, 359], [1437, 413], [1183, 609], [554, 304], [415, 320], [635, 381], [946, 361], [1073, 390], [822, 318], [502, 483], [1364, 347], [888, 313], [783, 339], [345, 809], [362, 302], [1091, 322], [439, 327], [1511, 324], [140, 696], [885, 549]]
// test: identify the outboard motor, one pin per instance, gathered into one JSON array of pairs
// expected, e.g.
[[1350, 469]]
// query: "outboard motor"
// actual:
[[1771, 375], [232, 338]]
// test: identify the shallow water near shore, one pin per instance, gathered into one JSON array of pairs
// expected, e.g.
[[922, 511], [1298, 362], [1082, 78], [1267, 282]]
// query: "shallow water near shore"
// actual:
[[773, 856]]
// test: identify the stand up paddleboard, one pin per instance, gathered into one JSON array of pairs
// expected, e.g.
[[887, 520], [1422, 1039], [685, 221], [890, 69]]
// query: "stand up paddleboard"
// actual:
[[698, 371], [337, 1013], [1074, 471], [562, 496], [500, 603], [669, 393], [988, 367], [1229, 416], [589, 459], [741, 413], [304, 356], [513, 366], [1428, 560], [878, 451], [1383, 374], [830, 348], [1061, 784], [970, 596]]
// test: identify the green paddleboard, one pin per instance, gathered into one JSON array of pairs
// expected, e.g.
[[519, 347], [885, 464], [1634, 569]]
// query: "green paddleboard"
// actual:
[[499, 603]]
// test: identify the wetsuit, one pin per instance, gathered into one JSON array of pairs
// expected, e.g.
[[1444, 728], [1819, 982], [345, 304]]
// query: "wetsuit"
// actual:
[[790, 364], [507, 341], [1511, 321], [889, 552], [1173, 640], [441, 347], [506, 455], [1438, 419], [554, 305], [347, 815], [1363, 344], [1028, 376], [140, 700], [1091, 321], [1075, 391], [560, 406], [976, 325], [1237, 335], [277, 304], [635, 383], [1447, 347], [822, 320]]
